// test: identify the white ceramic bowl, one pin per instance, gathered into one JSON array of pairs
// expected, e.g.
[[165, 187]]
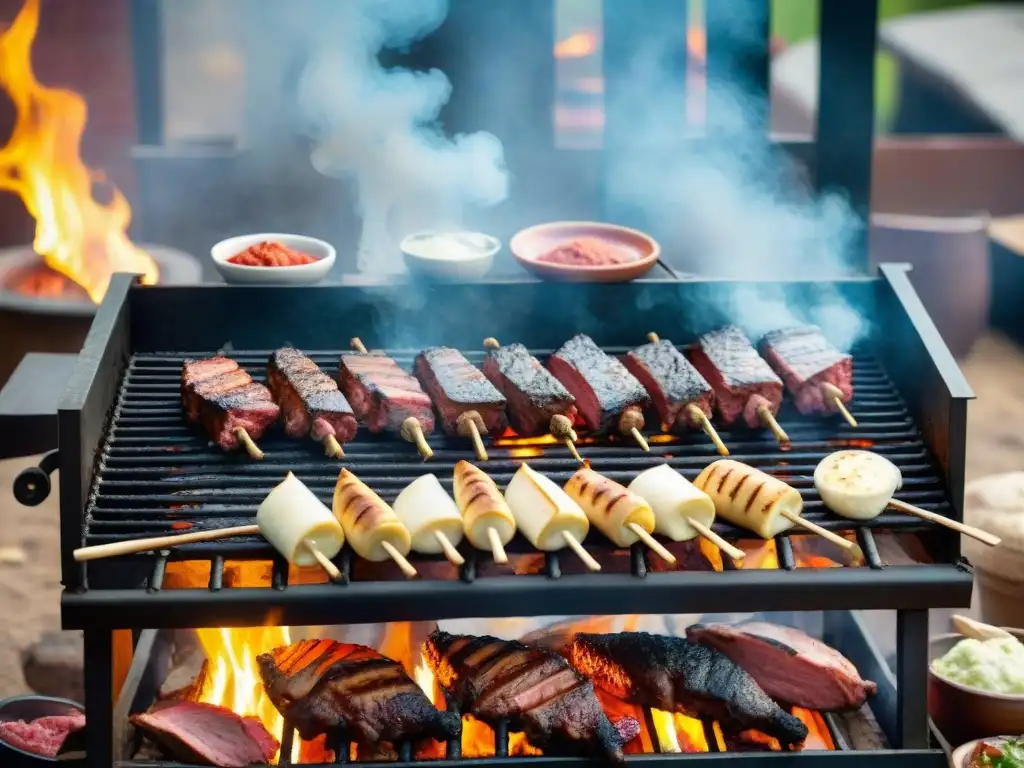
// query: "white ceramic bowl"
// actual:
[[303, 274], [451, 266]]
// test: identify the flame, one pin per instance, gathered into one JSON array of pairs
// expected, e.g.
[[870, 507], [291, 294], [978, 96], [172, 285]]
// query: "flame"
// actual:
[[233, 679], [577, 46], [79, 237]]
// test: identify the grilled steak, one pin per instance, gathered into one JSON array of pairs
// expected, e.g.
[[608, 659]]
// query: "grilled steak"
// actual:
[[676, 675], [534, 689], [322, 686], [603, 388], [381, 393], [223, 397], [457, 386], [742, 381], [533, 394], [805, 360], [791, 666], [310, 399], [671, 381], [206, 734]]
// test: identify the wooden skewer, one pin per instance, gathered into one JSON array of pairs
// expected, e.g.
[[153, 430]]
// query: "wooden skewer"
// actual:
[[734, 552], [399, 559], [497, 549], [561, 428], [412, 431], [640, 439], [835, 394], [333, 448], [581, 553], [967, 530], [136, 546], [468, 425], [794, 518], [250, 447], [979, 630], [453, 555], [358, 346], [322, 560], [701, 419], [653, 543], [630, 423], [769, 421]]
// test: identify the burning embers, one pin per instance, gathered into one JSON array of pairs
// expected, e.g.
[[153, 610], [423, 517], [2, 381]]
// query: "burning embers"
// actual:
[[560, 692], [79, 237]]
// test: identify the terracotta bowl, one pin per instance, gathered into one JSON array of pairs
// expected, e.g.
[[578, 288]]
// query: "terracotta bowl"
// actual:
[[962, 713], [963, 753], [640, 252]]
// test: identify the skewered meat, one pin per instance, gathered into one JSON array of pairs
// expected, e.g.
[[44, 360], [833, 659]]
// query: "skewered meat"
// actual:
[[676, 675], [805, 360], [791, 666], [456, 386], [533, 394], [381, 393], [224, 398], [605, 391], [323, 686], [749, 498], [207, 734], [672, 382], [742, 381], [310, 400], [534, 689]]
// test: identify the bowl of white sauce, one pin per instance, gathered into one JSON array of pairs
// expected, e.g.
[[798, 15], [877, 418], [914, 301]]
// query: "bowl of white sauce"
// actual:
[[450, 256]]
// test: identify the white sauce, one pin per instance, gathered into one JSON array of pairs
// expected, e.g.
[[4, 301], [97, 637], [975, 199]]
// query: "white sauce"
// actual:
[[454, 246]]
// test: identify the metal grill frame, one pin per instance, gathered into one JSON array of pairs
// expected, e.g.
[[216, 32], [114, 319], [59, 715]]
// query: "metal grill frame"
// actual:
[[135, 318]]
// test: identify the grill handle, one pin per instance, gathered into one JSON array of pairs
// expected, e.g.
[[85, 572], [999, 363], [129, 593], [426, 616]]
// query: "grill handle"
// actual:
[[32, 485]]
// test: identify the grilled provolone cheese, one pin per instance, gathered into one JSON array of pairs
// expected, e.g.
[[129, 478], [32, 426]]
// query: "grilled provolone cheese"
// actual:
[[482, 506], [543, 511], [857, 484], [425, 509], [291, 514], [609, 506], [749, 498], [675, 501], [367, 519]]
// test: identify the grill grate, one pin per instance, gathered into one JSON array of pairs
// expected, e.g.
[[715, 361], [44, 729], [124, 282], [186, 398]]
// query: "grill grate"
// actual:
[[158, 474]]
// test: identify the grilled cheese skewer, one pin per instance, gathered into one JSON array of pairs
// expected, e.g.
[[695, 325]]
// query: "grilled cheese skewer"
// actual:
[[432, 518], [371, 526], [300, 527], [488, 520]]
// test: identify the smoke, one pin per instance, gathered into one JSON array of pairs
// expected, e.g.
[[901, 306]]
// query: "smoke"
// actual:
[[735, 201], [380, 127]]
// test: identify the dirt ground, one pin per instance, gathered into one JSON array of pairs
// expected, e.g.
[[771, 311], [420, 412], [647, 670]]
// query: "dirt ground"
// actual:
[[30, 591]]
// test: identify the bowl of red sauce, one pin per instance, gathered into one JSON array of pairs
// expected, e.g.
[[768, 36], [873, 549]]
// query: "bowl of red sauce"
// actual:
[[273, 258], [585, 251]]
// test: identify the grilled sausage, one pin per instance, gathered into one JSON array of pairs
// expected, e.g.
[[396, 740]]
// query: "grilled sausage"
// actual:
[[748, 497]]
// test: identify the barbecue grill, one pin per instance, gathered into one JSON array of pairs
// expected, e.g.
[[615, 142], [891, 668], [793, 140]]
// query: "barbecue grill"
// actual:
[[131, 467]]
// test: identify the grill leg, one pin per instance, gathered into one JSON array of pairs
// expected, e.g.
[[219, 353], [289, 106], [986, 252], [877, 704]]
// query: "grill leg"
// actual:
[[99, 697], [912, 679]]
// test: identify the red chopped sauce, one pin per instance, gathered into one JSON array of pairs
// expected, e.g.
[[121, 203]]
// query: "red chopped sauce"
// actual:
[[270, 255], [584, 252]]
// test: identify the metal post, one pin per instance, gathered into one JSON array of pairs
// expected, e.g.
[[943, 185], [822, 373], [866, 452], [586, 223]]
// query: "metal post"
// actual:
[[99, 697], [912, 679], [148, 63], [738, 62]]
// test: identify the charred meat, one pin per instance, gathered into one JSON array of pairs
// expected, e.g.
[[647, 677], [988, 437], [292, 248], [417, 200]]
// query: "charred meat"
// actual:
[[535, 690], [533, 394], [322, 686], [672, 382], [742, 381], [805, 360], [381, 393], [457, 386], [604, 390], [206, 734], [789, 665], [223, 397], [310, 400], [677, 675]]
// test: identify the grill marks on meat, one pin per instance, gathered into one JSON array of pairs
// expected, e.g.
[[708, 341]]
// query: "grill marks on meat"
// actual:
[[789, 665], [534, 394], [805, 360], [603, 388], [310, 399], [672, 382], [207, 734], [322, 686], [534, 689], [223, 397], [457, 386], [677, 675], [381, 393], [741, 380]]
